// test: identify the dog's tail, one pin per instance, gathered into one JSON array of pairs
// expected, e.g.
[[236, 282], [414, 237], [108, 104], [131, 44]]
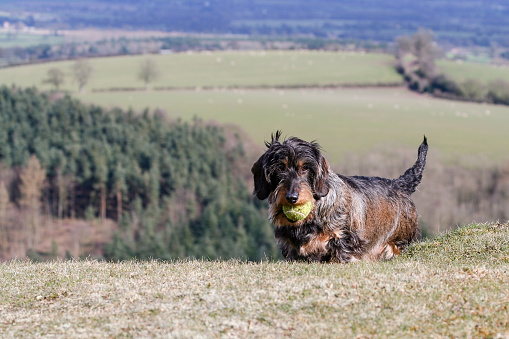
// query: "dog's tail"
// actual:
[[409, 181]]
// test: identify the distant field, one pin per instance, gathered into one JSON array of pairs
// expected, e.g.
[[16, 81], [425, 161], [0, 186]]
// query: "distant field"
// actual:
[[25, 40], [462, 71], [255, 68], [342, 120]]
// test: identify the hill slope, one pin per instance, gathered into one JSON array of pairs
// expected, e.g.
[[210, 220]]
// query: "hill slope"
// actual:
[[342, 120], [456, 285]]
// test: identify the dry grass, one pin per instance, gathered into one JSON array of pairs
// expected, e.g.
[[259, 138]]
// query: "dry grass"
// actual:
[[456, 285]]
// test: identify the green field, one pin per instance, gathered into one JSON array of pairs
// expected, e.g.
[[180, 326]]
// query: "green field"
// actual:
[[26, 39], [250, 68], [461, 71], [240, 68], [342, 120], [453, 286]]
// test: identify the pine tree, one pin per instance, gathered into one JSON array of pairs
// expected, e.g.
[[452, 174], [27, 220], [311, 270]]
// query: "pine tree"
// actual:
[[119, 186], [62, 193], [100, 176], [170, 186]]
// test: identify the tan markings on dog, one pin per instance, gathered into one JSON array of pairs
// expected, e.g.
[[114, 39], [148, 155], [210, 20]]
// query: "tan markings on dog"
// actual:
[[305, 195], [395, 249], [300, 164], [380, 219], [380, 252], [390, 251], [374, 253], [357, 212], [317, 244], [276, 208], [337, 233], [395, 224], [407, 225], [387, 253]]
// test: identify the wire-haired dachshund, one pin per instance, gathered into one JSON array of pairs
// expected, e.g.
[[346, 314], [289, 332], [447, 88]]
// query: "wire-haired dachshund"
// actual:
[[352, 218]]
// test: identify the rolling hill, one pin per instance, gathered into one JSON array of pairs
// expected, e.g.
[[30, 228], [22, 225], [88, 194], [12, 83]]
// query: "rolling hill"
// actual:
[[216, 86]]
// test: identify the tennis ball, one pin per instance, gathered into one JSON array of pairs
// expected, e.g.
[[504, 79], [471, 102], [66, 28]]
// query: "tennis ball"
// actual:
[[297, 212]]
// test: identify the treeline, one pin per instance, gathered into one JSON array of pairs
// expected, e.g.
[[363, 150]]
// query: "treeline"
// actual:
[[416, 56], [173, 187], [105, 47], [458, 22], [134, 46]]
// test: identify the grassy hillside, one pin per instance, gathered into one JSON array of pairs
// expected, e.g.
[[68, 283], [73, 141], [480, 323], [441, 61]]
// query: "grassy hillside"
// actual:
[[455, 285], [343, 120], [257, 68]]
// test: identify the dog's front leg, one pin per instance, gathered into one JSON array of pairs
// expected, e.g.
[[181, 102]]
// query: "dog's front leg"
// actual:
[[345, 247]]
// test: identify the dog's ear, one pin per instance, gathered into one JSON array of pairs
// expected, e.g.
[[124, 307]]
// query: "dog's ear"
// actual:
[[261, 185], [321, 183]]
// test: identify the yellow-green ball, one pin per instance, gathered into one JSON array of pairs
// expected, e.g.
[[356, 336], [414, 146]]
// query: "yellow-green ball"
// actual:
[[298, 212]]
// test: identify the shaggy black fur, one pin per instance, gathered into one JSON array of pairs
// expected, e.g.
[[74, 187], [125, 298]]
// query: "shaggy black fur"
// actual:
[[352, 217], [342, 249]]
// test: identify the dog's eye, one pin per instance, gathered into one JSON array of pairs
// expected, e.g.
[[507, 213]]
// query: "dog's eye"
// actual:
[[281, 168], [304, 169]]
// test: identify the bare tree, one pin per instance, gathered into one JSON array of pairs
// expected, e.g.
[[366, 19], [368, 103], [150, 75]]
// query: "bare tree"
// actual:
[[4, 204], [148, 71], [32, 181], [62, 183], [425, 50], [404, 46], [416, 59], [55, 78], [82, 70]]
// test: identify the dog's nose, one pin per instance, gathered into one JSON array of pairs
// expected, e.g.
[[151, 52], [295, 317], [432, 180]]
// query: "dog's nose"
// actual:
[[292, 197]]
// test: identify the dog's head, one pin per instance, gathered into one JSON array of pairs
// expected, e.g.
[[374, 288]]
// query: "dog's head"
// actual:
[[292, 172]]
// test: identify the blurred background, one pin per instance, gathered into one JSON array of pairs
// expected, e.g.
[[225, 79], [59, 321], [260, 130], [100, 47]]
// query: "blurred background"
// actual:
[[128, 128]]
